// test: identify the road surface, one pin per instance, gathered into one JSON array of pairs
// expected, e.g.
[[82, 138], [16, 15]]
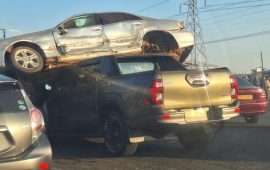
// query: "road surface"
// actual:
[[236, 145]]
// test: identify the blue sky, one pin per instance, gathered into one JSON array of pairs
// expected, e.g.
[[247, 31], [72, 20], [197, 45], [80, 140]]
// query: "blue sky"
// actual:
[[246, 17]]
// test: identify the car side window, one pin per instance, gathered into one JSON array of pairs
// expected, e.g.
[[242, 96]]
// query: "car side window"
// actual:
[[81, 21], [89, 71], [109, 18], [132, 17]]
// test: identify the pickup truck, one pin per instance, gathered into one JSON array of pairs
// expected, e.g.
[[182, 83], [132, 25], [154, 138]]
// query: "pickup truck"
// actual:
[[124, 98]]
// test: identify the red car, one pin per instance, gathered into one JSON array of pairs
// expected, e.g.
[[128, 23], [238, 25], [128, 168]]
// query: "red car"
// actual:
[[253, 101]]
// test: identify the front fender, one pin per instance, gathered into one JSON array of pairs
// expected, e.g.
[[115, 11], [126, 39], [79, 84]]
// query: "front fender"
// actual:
[[43, 39]]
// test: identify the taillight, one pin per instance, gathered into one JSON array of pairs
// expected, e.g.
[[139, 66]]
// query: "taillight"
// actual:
[[155, 93], [37, 123], [237, 110], [261, 97], [43, 166], [234, 87]]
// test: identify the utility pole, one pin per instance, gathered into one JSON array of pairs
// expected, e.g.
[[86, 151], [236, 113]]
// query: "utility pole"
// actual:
[[262, 61], [4, 32], [193, 25]]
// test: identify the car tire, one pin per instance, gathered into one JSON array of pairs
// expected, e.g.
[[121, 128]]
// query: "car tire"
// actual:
[[26, 59], [195, 136], [252, 118], [116, 136]]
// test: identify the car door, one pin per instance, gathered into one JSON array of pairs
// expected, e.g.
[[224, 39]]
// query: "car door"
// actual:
[[121, 30], [62, 101], [87, 87], [79, 35]]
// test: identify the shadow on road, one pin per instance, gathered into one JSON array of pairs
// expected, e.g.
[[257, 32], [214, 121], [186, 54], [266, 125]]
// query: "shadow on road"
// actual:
[[230, 143]]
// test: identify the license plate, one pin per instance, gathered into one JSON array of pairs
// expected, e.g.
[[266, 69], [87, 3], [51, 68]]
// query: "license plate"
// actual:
[[245, 97], [196, 115]]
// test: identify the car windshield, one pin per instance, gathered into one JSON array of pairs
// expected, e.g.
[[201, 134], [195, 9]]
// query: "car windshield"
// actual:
[[12, 100]]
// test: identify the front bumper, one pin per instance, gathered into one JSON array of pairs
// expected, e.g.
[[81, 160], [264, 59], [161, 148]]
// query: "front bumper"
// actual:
[[32, 158]]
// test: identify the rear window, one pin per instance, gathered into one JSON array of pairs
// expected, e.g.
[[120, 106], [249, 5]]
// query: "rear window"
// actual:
[[242, 82], [132, 17], [11, 98], [141, 64], [135, 67]]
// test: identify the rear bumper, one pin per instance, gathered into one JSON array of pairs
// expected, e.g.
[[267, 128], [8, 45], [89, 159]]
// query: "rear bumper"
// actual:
[[253, 108], [216, 114], [157, 126], [32, 158]]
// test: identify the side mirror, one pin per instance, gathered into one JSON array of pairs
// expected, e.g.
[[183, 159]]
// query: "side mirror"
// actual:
[[62, 30]]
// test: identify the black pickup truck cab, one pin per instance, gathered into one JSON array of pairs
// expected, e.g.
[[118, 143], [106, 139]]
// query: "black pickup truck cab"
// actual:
[[124, 98]]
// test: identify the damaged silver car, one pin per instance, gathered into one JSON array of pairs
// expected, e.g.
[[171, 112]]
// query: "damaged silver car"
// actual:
[[89, 35]]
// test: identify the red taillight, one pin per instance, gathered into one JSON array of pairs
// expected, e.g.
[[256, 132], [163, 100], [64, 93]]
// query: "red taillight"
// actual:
[[165, 117], [234, 87], [155, 93], [261, 97], [237, 110], [44, 166], [37, 123]]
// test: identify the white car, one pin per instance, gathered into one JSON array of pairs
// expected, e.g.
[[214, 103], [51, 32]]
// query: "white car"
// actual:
[[89, 35]]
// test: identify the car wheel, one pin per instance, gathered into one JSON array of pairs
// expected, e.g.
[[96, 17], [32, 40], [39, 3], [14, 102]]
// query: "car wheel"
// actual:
[[26, 59], [116, 136], [252, 118], [194, 137]]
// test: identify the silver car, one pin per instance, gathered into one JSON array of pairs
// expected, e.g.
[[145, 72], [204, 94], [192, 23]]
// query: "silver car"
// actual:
[[23, 144], [90, 35]]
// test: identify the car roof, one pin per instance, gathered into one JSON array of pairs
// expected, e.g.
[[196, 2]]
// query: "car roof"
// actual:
[[141, 56], [123, 56], [128, 56], [4, 78]]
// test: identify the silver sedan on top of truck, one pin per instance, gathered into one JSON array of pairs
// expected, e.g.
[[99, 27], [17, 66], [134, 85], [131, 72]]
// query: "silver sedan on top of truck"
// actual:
[[89, 35]]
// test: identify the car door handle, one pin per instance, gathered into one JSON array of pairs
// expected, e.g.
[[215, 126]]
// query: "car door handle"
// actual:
[[96, 29], [136, 24]]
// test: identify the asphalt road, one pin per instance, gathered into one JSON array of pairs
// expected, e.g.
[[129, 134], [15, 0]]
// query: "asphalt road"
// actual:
[[236, 145]]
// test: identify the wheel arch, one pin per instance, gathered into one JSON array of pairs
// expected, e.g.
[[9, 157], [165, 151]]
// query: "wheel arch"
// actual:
[[153, 34], [9, 48], [105, 109]]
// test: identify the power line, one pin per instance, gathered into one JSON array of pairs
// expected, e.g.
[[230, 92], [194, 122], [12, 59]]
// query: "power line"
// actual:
[[229, 8], [244, 25], [152, 6], [226, 14], [235, 3], [239, 7], [236, 17], [239, 37]]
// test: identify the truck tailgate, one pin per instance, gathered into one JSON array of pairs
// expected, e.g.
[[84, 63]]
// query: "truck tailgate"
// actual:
[[193, 89]]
